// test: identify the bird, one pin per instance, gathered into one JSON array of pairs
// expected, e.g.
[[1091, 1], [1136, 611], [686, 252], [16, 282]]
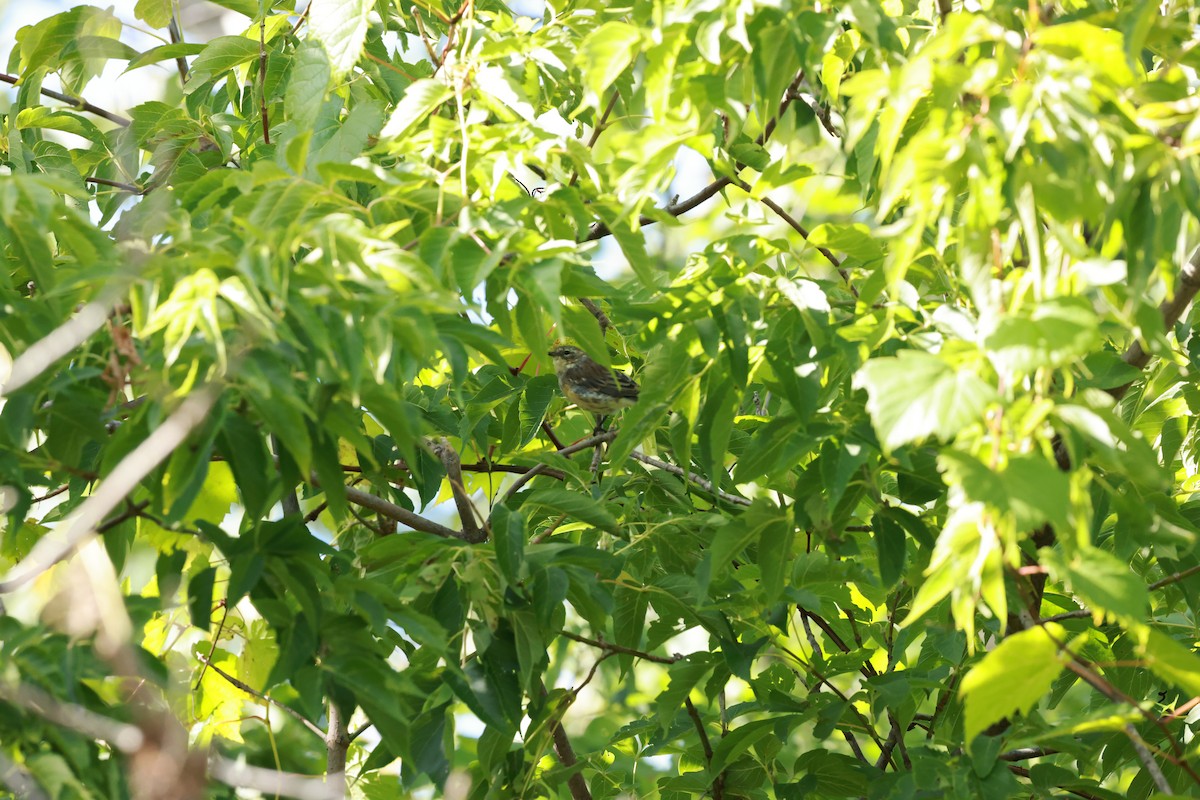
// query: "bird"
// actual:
[[591, 386]]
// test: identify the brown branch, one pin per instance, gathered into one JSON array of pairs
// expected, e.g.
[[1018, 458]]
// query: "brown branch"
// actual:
[[1172, 310], [600, 230], [616, 648], [1176, 578], [885, 755], [77, 102], [597, 129], [300, 20], [538, 469], [1080, 668], [337, 744], [400, 514], [1144, 756], [546, 429], [800, 229], [1024, 753], [829, 631], [822, 114], [116, 486], [597, 312], [176, 34], [703, 483], [1024, 773], [262, 79], [1081, 613], [566, 756], [125, 187], [718, 781], [261, 696], [216, 638], [466, 509]]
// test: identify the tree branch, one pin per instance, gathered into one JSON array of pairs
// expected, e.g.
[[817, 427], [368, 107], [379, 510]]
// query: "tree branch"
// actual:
[[208, 664], [337, 744], [718, 781], [1172, 310], [538, 469], [616, 648], [400, 514], [125, 477], [77, 102], [1144, 756], [272, 782], [466, 509], [600, 230], [566, 756], [597, 129], [703, 483], [124, 187], [800, 229]]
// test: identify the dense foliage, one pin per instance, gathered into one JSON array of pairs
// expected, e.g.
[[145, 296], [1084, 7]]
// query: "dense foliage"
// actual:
[[905, 508]]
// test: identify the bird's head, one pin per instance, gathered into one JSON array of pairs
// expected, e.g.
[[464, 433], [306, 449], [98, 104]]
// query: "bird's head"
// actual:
[[565, 355]]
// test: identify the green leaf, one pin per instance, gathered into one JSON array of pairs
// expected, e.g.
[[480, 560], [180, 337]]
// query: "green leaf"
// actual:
[[200, 597], [742, 738], [577, 505], [890, 548], [155, 13], [311, 75], [218, 57], [1054, 333], [1011, 678], [1168, 659], [606, 53], [536, 397], [420, 100], [340, 26], [508, 534], [775, 555], [1103, 582], [164, 52], [916, 395]]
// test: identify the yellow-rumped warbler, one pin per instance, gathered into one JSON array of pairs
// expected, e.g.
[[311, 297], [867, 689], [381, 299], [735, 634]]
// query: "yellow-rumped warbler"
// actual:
[[589, 385]]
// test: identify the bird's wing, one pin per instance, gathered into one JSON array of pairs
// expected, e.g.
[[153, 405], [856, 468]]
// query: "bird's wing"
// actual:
[[626, 385]]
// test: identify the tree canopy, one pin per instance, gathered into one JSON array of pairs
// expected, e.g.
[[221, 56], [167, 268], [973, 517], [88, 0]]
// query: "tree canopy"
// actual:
[[906, 507]]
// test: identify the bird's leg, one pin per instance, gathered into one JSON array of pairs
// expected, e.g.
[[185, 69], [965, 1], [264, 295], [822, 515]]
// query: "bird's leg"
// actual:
[[600, 420]]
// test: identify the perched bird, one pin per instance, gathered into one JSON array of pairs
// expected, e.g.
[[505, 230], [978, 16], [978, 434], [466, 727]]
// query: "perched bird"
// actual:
[[591, 386]]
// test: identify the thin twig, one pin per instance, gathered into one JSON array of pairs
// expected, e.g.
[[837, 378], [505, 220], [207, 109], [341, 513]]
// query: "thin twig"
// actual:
[[718, 781], [1176, 578], [597, 129], [1025, 753], [675, 209], [538, 469], [703, 483], [1172, 310], [400, 514], [77, 102], [125, 187], [262, 79], [616, 648], [1024, 773], [261, 696], [176, 34], [1144, 756], [125, 477]]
